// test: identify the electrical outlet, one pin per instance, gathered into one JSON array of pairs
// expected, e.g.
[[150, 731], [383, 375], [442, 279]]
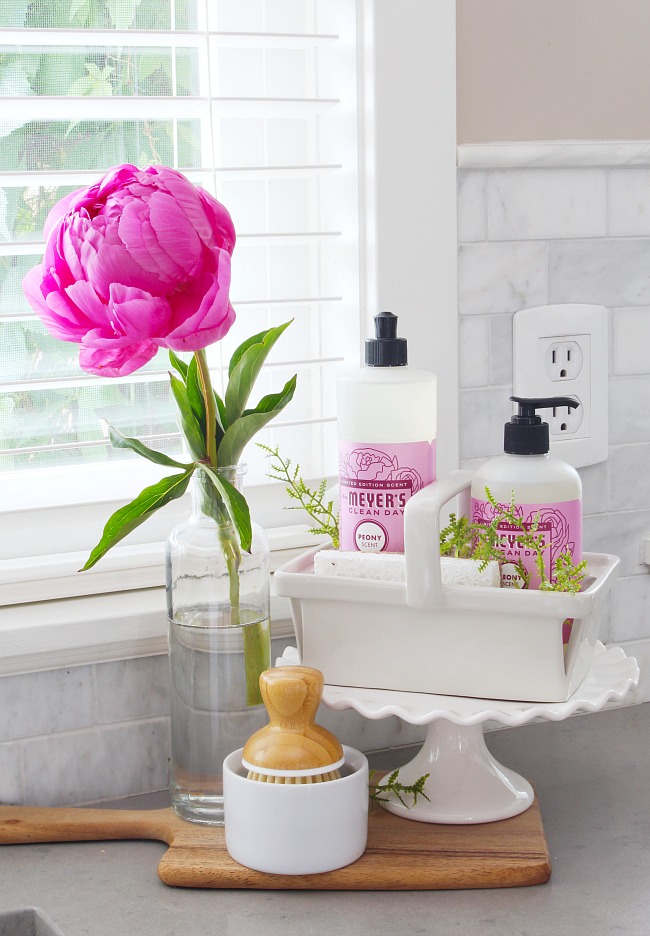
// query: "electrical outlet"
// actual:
[[561, 350], [564, 421], [564, 359]]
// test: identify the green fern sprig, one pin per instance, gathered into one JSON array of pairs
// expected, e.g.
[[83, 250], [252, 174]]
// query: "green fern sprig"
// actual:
[[311, 501], [568, 577], [462, 539], [393, 785]]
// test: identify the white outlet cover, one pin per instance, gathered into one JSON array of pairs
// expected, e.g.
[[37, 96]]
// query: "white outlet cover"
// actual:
[[533, 332]]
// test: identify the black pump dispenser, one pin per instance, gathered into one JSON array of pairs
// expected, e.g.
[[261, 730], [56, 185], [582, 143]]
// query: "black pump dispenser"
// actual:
[[526, 434], [385, 349]]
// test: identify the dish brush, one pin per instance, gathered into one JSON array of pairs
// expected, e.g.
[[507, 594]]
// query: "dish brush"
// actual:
[[292, 748]]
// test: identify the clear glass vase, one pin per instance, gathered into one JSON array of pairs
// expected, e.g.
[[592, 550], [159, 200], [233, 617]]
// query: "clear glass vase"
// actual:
[[219, 643]]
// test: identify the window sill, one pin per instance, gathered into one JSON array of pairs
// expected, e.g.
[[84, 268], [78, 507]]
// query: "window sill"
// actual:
[[123, 568], [48, 621], [81, 631]]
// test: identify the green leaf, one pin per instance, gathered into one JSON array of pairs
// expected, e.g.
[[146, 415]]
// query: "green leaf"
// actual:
[[221, 418], [238, 353], [132, 515], [246, 367], [239, 434], [235, 503], [121, 441], [195, 394], [274, 402], [178, 365], [189, 425], [122, 12]]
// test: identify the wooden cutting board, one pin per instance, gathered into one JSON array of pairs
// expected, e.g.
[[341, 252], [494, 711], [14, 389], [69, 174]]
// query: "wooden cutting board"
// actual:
[[401, 854]]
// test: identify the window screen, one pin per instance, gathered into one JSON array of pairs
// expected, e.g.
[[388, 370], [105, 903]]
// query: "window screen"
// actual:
[[255, 100]]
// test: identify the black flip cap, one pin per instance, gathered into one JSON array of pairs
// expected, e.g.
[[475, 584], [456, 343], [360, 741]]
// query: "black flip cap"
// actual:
[[526, 434], [386, 349]]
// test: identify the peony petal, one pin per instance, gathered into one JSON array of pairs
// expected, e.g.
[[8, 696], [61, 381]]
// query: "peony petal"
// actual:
[[138, 313], [208, 217], [117, 361], [59, 315], [95, 197], [113, 264], [202, 316], [175, 234], [204, 337], [76, 240], [223, 230], [106, 337], [58, 211], [88, 302], [139, 238], [32, 288], [191, 304]]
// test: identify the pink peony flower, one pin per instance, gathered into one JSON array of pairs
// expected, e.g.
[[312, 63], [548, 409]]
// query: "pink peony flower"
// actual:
[[138, 261]]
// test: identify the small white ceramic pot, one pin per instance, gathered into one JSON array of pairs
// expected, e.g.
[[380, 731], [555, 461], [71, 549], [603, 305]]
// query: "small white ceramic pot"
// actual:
[[296, 828]]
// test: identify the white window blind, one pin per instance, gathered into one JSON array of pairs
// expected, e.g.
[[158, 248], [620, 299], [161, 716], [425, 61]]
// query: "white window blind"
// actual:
[[256, 101], [273, 105]]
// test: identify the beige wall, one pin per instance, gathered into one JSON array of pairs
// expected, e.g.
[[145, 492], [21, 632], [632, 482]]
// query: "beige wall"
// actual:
[[553, 70]]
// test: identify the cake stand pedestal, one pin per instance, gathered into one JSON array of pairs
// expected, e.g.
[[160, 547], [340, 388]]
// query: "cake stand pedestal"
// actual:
[[466, 784]]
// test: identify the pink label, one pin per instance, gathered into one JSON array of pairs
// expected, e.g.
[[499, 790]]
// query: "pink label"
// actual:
[[375, 483], [557, 524]]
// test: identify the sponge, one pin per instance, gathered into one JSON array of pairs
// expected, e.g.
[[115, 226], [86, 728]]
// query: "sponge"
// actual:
[[391, 567]]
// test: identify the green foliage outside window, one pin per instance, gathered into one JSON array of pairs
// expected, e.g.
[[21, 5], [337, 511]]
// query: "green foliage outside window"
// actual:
[[46, 146]]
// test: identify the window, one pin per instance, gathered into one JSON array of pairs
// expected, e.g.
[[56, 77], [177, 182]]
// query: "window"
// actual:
[[253, 100], [279, 108]]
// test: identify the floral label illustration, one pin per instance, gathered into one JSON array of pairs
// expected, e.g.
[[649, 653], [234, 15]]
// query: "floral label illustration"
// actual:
[[375, 483], [558, 524]]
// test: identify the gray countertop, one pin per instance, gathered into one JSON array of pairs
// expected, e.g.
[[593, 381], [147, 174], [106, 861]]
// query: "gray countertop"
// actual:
[[592, 777]]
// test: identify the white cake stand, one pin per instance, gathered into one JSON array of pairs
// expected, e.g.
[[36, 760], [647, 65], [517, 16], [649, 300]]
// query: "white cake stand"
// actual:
[[466, 784]]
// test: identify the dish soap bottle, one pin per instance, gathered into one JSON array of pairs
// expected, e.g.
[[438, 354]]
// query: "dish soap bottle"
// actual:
[[544, 489], [386, 423]]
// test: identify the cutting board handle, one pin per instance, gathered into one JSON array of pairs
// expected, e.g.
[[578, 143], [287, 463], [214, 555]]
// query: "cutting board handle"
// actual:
[[22, 824]]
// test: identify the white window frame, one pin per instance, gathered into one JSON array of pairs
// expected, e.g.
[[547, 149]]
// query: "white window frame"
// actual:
[[408, 246]]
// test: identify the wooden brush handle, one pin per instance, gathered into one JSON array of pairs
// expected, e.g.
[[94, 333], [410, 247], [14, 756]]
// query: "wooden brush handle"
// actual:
[[292, 741], [292, 695]]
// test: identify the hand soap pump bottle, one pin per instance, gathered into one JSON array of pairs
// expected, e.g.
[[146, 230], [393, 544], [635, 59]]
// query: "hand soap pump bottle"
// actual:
[[545, 489], [386, 424]]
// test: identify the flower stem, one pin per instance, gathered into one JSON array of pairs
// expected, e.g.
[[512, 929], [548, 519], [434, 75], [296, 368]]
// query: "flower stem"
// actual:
[[257, 658], [232, 555], [210, 406], [256, 640], [257, 655]]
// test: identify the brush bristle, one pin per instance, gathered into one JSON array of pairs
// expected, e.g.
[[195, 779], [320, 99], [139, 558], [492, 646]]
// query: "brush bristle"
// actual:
[[316, 778]]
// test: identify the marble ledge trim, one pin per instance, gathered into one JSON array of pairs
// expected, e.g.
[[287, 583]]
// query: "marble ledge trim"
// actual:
[[553, 153]]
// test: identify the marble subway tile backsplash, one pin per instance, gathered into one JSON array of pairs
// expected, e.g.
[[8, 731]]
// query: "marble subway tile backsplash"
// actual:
[[631, 341], [100, 763], [554, 235], [495, 277], [64, 702], [529, 204], [607, 271], [91, 733], [84, 733], [628, 206]]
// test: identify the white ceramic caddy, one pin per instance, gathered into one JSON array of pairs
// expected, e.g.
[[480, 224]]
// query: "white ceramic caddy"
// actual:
[[293, 828], [423, 636]]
